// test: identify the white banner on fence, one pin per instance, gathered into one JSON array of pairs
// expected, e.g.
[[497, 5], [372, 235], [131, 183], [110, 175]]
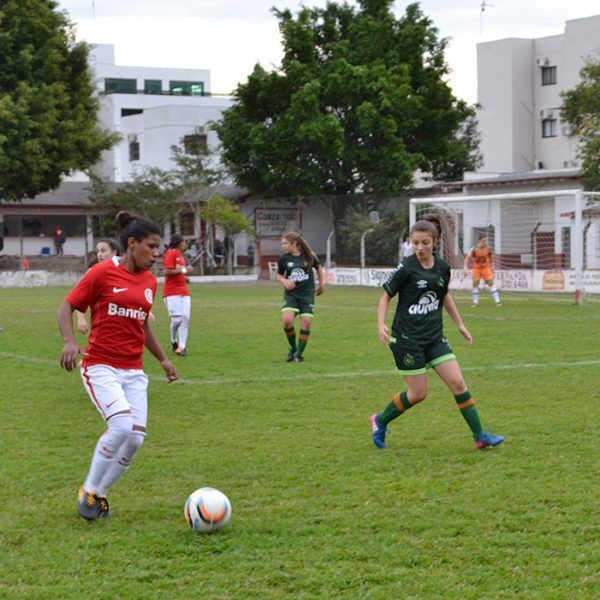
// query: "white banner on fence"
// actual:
[[509, 280]]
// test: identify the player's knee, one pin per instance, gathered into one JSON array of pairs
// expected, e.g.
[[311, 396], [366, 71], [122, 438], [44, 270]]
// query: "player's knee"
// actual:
[[457, 385], [417, 395], [135, 441], [119, 429]]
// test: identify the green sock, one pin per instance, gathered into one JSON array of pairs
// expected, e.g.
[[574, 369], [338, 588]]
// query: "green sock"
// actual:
[[466, 404], [291, 337], [302, 341], [394, 409]]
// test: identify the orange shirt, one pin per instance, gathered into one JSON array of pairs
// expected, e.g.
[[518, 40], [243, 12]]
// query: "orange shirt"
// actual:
[[482, 257]]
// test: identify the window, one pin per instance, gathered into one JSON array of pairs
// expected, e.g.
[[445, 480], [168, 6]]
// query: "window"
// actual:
[[548, 75], [549, 128], [152, 86], [127, 112], [113, 85], [134, 151], [186, 88], [43, 225], [195, 144]]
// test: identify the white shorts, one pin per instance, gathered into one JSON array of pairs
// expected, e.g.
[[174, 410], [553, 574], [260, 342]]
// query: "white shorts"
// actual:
[[116, 390], [178, 306]]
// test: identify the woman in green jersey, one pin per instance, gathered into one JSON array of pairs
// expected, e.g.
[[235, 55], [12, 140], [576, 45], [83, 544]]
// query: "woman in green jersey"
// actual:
[[417, 340], [295, 274]]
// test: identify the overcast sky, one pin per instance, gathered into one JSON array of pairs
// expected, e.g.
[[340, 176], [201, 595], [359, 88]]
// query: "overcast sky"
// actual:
[[230, 36]]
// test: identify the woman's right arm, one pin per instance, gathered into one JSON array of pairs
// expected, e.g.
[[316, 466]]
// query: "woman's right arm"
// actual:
[[288, 284], [382, 309], [71, 349]]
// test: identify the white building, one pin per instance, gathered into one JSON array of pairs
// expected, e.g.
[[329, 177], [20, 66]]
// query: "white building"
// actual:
[[519, 86], [153, 109]]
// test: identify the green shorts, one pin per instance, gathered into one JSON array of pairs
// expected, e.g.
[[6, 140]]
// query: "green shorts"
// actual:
[[302, 305], [414, 359]]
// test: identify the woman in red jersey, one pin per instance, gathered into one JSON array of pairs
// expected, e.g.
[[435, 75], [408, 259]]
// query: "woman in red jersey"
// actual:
[[120, 295], [176, 293]]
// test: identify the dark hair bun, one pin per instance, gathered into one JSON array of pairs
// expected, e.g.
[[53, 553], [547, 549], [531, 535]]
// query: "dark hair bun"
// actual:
[[124, 218]]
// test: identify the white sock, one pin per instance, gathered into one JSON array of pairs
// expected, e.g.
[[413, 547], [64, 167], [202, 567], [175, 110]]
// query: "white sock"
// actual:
[[495, 295], [476, 295], [123, 458], [119, 428], [183, 331], [175, 323]]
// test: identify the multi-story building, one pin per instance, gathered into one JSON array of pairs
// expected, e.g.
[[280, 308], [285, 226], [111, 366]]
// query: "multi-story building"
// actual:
[[153, 109], [519, 87]]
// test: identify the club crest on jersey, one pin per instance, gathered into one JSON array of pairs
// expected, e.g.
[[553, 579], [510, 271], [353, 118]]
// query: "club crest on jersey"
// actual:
[[148, 295], [421, 284], [427, 304], [409, 360]]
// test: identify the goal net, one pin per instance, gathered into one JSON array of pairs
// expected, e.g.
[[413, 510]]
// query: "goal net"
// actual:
[[542, 241]]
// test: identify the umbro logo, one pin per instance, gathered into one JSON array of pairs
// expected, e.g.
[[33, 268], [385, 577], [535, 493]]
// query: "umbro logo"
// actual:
[[116, 290], [421, 284]]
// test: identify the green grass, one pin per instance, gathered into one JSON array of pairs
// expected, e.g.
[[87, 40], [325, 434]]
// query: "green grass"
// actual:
[[318, 512]]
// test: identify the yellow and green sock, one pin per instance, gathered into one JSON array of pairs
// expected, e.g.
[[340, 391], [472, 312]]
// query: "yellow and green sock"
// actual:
[[466, 405]]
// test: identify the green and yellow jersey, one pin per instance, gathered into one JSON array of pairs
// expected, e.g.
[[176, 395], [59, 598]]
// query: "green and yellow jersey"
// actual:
[[421, 293], [295, 268]]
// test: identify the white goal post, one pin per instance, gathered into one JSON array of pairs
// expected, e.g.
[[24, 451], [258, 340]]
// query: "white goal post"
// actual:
[[542, 241]]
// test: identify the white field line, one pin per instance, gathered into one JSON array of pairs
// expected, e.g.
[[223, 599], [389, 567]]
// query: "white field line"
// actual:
[[335, 375]]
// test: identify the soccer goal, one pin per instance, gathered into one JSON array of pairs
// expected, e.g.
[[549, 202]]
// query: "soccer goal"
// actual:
[[542, 241]]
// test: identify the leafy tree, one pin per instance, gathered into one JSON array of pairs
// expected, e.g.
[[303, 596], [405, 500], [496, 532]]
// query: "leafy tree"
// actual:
[[581, 109], [150, 194], [225, 214], [359, 104], [48, 109], [382, 243], [153, 192]]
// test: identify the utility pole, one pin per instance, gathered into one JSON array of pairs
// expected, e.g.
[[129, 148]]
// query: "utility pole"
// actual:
[[484, 5]]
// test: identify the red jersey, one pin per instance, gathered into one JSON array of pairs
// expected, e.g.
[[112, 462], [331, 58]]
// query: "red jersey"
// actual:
[[120, 302], [175, 285]]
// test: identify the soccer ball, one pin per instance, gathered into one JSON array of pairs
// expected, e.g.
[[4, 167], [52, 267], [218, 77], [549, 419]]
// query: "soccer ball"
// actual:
[[207, 510]]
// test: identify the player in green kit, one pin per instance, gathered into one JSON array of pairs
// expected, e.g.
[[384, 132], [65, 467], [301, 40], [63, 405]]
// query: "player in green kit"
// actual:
[[417, 340], [295, 274]]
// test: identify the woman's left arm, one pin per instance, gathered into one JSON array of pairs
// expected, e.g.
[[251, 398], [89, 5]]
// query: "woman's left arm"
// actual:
[[321, 275], [451, 309]]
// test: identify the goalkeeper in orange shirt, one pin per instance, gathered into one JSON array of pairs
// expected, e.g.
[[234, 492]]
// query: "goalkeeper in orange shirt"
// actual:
[[481, 255]]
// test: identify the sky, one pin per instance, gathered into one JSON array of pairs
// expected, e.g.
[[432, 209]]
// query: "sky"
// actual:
[[229, 37]]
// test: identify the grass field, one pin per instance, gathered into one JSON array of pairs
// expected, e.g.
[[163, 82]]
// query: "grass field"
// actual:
[[318, 512]]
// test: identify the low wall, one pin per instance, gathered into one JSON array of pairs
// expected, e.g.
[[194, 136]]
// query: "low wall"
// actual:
[[14, 279], [18, 279]]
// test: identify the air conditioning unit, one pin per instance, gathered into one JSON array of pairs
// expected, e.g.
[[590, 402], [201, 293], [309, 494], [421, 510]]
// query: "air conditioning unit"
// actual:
[[199, 130], [568, 130], [132, 137], [542, 61]]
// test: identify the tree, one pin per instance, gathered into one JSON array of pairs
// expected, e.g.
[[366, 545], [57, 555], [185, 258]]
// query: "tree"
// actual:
[[159, 194], [48, 109], [359, 104], [581, 109], [225, 214], [150, 194]]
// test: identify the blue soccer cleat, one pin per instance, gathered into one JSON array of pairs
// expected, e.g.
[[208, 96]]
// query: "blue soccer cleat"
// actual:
[[487, 438], [378, 432]]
